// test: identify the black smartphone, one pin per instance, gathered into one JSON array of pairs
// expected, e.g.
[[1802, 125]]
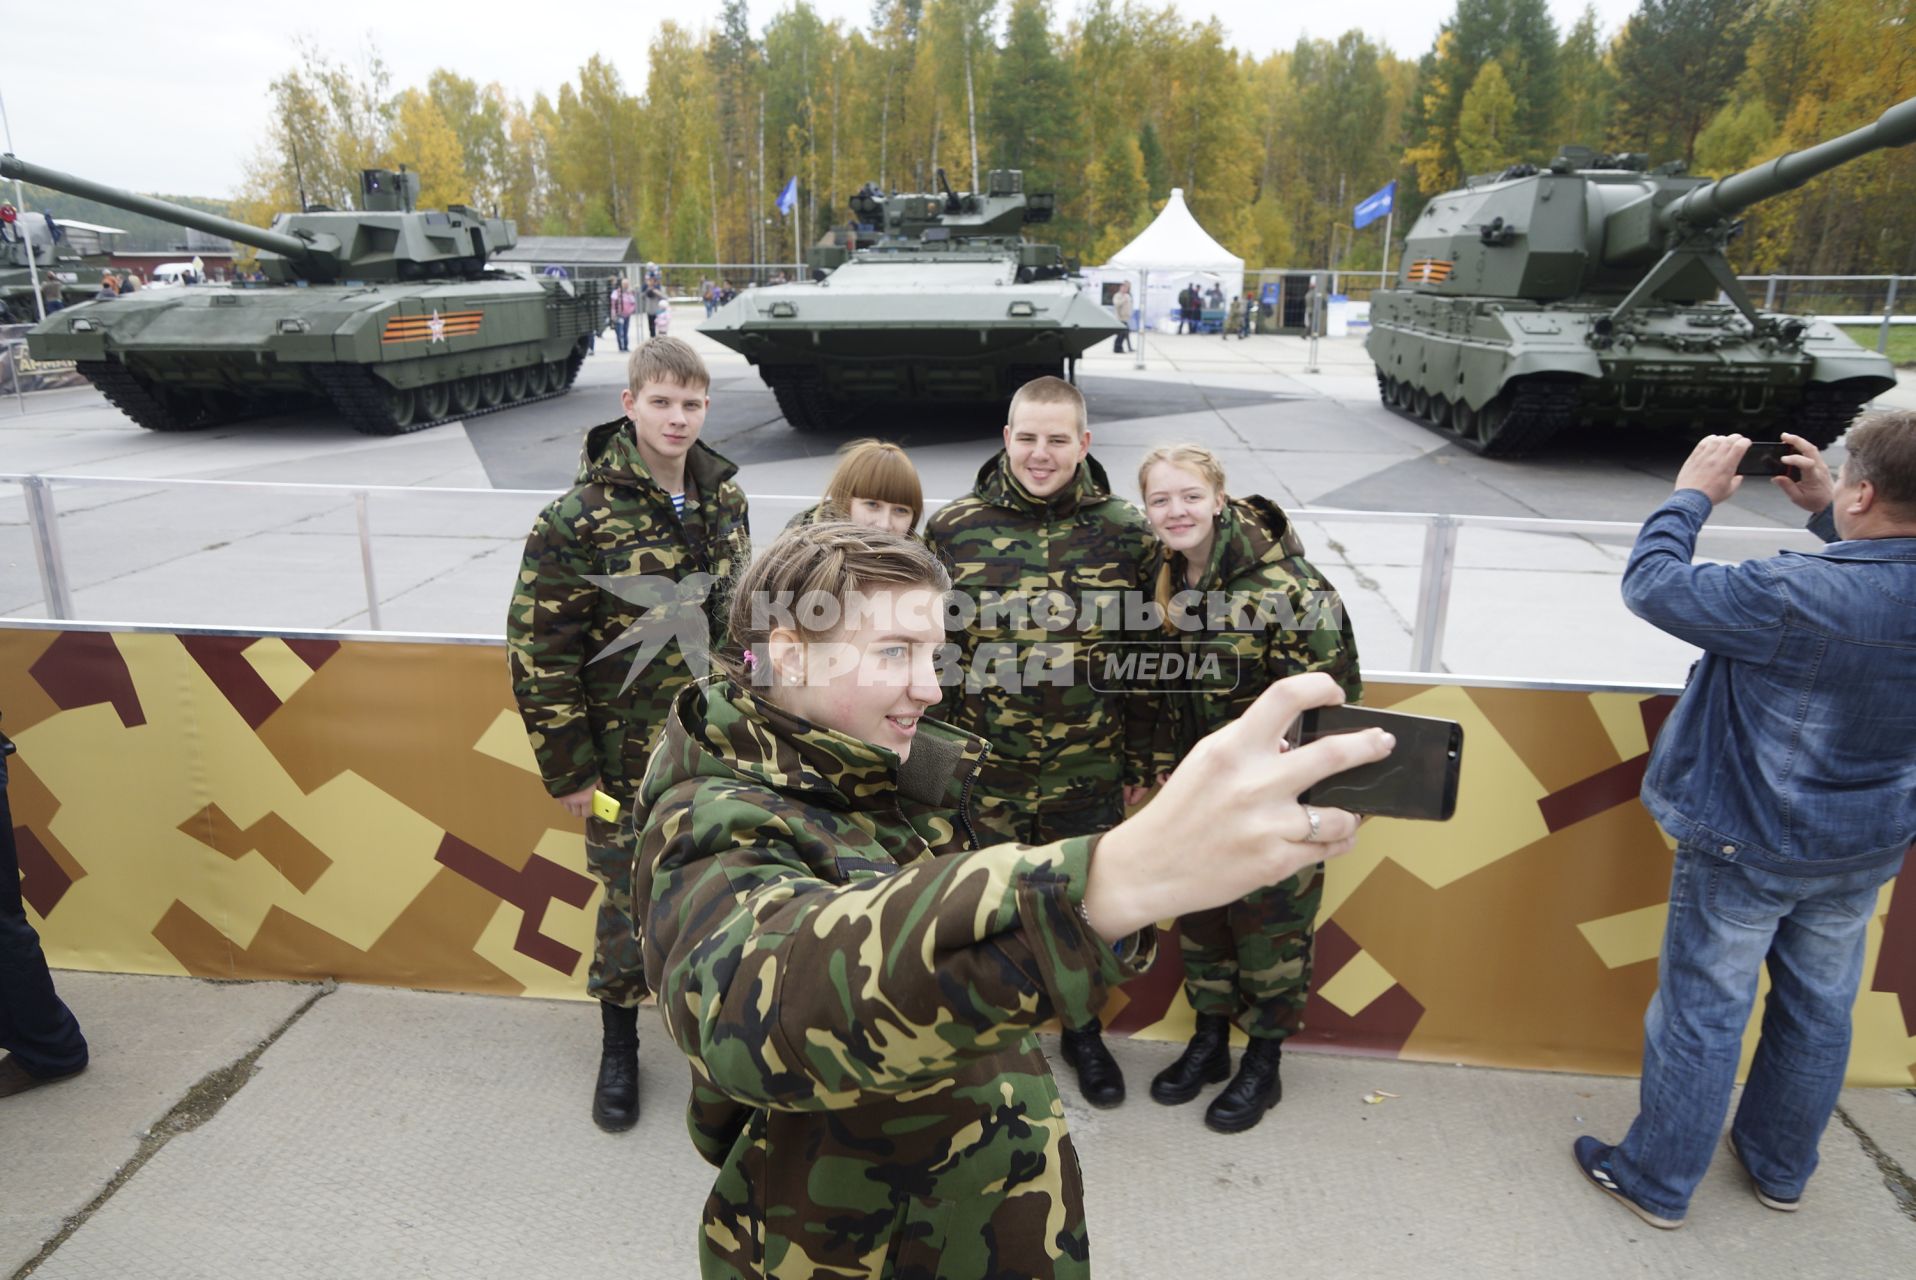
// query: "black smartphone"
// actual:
[[1765, 458], [1417, 780]]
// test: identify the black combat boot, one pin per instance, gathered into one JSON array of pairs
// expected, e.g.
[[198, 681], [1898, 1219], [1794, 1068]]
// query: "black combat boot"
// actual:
[[615, 1099], [1206, 1060], [1099, 1079], [1253, 1091]]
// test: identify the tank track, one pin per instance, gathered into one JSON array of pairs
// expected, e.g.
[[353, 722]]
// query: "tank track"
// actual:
[[360, 397], [1537, 409], [805, 405], [130, 394], [1826, 413]]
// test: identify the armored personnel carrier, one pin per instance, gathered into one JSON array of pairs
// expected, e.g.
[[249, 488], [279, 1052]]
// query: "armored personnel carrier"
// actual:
[[1585, 294], [931, 300], [388, 313], [71, 253]]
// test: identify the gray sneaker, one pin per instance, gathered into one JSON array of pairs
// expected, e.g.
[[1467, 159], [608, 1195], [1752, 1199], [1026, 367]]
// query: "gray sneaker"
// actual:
[[1763, 1197]]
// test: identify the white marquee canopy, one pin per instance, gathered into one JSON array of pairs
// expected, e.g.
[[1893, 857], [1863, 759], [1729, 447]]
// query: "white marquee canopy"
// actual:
[[1167, 255]]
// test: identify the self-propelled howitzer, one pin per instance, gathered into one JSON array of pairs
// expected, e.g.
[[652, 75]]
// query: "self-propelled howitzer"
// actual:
[[929, 300], [387, 312], [1586, 293]]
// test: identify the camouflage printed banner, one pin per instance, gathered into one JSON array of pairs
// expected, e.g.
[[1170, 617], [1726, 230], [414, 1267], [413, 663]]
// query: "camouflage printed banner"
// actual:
[[257, 807], [34, 375]]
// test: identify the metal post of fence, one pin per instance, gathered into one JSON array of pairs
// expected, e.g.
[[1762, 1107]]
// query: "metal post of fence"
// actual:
[[1769, 295], [1433, 593], [15, 346], [44, 522], [1889, 309], [366, 559]]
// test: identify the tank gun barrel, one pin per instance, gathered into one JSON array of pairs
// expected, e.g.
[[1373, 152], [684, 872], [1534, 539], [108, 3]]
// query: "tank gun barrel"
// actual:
[[12, 166], [1723, 199]]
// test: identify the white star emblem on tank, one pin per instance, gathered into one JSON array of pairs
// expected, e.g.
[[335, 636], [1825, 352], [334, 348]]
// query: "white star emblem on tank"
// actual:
[[437, 328]]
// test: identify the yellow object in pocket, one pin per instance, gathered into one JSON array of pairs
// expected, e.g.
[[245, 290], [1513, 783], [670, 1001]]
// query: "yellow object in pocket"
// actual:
[[604, 807]]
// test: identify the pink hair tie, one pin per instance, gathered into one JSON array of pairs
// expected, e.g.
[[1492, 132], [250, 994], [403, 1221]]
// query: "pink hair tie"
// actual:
[[750, 660]]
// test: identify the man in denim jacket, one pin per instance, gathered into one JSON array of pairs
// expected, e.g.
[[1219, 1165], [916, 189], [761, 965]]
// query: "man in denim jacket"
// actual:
[[1787, 775]]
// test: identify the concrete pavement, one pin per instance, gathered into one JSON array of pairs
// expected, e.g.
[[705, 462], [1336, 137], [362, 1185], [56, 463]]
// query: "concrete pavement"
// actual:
[[1525, 605], [375, 1133]]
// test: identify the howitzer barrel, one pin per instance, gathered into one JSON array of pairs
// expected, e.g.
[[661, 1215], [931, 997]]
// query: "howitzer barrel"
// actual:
[[1720, 200], [12, 166]]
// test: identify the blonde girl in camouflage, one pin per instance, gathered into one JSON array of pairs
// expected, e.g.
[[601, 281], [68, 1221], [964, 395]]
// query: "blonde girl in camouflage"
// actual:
[[1246, 962], [874, 485], [857, 985]]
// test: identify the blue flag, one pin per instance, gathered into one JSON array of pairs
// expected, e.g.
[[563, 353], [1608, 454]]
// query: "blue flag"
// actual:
[[1374, 206], [788, 197]]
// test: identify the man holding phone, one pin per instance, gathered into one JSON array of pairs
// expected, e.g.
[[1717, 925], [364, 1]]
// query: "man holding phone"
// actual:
[[1787, 776]]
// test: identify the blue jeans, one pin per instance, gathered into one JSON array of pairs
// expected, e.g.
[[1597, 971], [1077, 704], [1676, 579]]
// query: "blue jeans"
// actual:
[[35, 1024], [1726, 922]]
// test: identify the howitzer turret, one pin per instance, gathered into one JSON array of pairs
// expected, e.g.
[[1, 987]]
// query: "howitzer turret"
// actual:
[[1585, 293], [928, 299], [57, 258], [396, 320]]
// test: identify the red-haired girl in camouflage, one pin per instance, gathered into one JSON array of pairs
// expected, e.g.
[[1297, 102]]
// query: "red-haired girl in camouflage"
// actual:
[[1247, 963]]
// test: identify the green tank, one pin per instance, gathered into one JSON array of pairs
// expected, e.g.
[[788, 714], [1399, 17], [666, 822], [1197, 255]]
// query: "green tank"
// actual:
[[1585, 294], [387, 313], [930, 301], [73, 258]]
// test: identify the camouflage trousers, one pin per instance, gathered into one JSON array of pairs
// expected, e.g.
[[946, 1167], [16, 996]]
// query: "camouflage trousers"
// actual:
[[1251, 961], [617, 975]]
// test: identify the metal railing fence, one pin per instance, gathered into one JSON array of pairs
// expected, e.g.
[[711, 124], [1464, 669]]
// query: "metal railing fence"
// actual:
[[1428, 622]]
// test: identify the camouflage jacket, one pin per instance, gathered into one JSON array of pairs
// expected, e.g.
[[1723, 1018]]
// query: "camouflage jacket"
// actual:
[[813, 514], [583, 720], [859, 1012], [1267, 613], [1059, 739]]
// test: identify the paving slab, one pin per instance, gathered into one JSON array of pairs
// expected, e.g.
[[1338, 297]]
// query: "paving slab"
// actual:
[[151, 1040], [1466, 1172], [1888, 1118], [406, 1134]]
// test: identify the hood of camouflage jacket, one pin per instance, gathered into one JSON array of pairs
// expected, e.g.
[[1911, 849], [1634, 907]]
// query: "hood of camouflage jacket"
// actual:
[[611, 457], [719, 729], [1248, 533], [995, 484]]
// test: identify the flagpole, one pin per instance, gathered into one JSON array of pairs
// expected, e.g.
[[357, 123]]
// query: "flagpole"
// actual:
[[1387, 220]]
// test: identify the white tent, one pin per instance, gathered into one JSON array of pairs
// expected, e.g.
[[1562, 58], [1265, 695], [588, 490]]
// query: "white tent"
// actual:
[[1167, 255]]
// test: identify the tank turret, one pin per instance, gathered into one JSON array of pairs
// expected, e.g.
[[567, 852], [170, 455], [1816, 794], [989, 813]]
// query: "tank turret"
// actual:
[[945, 221], [57, 259], [929, 300], [1585, 292], [385, 239]]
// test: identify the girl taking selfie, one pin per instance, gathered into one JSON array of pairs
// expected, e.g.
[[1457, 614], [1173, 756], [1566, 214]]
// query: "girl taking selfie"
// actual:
[[857, 986]]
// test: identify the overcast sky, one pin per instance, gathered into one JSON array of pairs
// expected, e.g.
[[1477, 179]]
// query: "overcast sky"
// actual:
[[171, 97]]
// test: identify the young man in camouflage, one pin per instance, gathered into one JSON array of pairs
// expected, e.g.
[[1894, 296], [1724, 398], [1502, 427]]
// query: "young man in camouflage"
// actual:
[[1048, 557], [651, 532]]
